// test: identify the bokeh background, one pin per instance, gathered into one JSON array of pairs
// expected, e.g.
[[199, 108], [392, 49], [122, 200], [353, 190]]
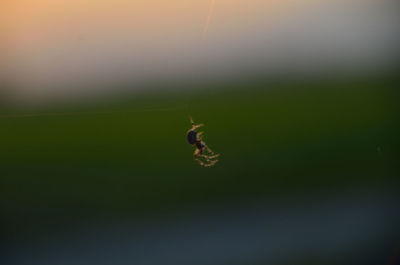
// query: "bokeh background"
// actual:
[[300, 98]]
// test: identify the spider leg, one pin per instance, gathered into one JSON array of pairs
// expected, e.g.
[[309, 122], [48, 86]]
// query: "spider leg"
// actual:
[[209, 162], [208, 149], [211, 152], [214, 156], [197, 155], [207, 158], [210, 159], [212, 163], [201, 163]]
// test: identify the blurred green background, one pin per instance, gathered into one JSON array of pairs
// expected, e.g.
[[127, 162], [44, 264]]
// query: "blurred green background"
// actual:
[[272, 138], [62, 168]]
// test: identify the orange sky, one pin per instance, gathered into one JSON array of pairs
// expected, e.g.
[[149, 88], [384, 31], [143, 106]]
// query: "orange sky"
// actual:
[[46, 43], [33, 28], [141, 15], [44, 24]]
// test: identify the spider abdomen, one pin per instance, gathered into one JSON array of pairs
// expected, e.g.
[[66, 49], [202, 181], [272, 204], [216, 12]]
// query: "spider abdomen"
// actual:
[[192, 137]]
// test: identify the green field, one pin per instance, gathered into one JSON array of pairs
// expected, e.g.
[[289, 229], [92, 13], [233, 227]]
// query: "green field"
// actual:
[[274, 140]]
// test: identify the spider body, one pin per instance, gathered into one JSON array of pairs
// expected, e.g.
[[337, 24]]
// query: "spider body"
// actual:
[[191, 137], [200, 145], [196, 139]]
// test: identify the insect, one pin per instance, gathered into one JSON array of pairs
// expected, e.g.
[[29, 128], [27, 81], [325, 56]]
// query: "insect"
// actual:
[[196, 139]]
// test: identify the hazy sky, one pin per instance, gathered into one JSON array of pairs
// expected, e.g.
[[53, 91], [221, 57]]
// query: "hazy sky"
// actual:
[[57, 46]]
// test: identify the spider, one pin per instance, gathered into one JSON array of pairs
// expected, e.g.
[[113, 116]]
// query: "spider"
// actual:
[[196, 139]]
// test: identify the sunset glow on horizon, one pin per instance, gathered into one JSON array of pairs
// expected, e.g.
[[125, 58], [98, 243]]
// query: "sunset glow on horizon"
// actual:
[[51, 44], [39, 16]]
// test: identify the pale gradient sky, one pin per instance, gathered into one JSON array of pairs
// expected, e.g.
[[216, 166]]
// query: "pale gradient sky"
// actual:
[[52, 47]]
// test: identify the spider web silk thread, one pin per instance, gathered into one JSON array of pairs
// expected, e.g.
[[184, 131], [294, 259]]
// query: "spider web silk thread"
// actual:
[[55, 114]]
